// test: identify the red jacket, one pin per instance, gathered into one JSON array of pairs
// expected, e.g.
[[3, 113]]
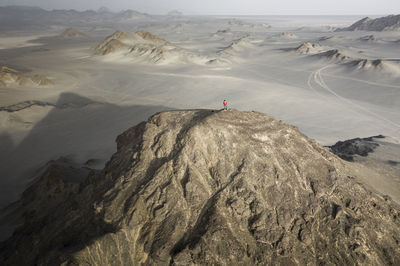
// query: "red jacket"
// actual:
[[225, 103]]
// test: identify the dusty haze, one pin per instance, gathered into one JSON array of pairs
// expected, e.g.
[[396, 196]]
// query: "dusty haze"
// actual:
[[227, 7]]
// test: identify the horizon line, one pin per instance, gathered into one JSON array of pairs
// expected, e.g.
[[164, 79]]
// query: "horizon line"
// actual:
[[193, 14]]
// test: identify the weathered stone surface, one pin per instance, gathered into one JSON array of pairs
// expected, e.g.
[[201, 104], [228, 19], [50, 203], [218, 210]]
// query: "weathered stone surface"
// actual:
[[9, 77], [208, 187], [388, 23], [359, 146], [52, 185]]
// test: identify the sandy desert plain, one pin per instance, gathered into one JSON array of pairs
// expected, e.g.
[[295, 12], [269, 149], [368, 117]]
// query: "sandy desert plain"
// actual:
[[332, 85]]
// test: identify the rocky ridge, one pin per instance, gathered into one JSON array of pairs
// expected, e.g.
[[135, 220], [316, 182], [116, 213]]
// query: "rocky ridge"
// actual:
[[348, 149], [237, 46], [143, 46], [338, 56], [388, 23], [309, 48], [214, 187], [12, 77], [72, 33]]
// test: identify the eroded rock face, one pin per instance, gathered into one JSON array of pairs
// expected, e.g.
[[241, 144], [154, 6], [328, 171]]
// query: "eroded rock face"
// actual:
[[145, 47], [208, 187], [9, 77], [53, 184], [309, 48], [359, 146], [388, 23]]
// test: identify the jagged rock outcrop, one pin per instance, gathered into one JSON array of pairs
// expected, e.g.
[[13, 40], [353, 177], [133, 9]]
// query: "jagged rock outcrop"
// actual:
[[112, 43], [237, 46], [42, 80], [334, 54], [143, 46], [367, 64], [53, 184], [152, 38], [368, 38], [309, 48], [348, 149], [72, 33], [10, 77], [390, 68], [329, 38], [378, 65], [388, 23], [56, 182], [215, 187]]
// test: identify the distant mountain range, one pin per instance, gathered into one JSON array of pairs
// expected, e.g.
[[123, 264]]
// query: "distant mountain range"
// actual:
[[14, 16], [388, 23]]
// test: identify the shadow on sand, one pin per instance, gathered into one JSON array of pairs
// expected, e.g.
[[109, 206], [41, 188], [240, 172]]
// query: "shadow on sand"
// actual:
[[77, 128]]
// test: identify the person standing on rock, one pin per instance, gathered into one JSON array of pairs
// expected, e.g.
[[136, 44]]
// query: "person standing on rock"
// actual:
[[225, 105]]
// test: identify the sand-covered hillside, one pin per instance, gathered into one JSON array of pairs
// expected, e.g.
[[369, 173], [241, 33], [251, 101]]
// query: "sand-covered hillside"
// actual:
[[144, 47]]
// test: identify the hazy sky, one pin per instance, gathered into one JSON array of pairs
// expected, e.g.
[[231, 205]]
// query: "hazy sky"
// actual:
[[228, 7]]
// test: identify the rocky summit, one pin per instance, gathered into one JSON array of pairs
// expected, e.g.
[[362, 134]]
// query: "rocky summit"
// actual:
[[214, 187], [388, 23]]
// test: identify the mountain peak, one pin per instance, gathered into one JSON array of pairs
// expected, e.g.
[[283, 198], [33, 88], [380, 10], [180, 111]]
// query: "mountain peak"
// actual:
[[215, 187], [388, 23]]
